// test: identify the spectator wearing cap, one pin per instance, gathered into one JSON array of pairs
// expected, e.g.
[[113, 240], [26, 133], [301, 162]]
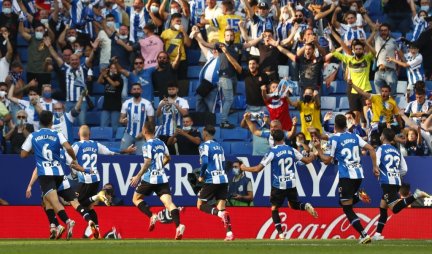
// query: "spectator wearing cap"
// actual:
[[385, 46], [413, 62], [150, 46], [172, 109], [262, 20]]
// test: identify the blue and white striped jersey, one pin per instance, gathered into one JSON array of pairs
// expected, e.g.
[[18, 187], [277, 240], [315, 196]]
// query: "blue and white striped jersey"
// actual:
[[137, 114], [82, 16], [419, 26], [169, 113], [282, 159], [87, 155], [415, 107], [75, 80], [197, 8], [391, 164], [415, 70], [62, 122], [283, 30], [156, 150], [212, 155], [137, 21], [48, 106], [116, 11], [46, 145], [345, 147], [350, 33]]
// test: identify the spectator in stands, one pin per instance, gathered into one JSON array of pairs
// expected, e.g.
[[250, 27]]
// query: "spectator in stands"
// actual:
[[166, 72], [310, 111], [385, 46], [138, 18], [9, 19], [254, 79], [350, 30], [76, 76], [187, 138], [152, 7], [18, 132], [300, 143], [29, 105], [38, 53], [240, 189], [110, 78], [228, 69], [286, 19], [61, 75], [397, 15], [6, 59], [212, 12], [353, 123], [150, 46], [172, 108], [412, 61], [180, 7], [228, 20], [63, 120], [277, 104], [46, 101], [68, 37], [134, 113], [420, 106], [384, 111], [309, 66], [176, 37], [111, 7], [424, 41], [3, 94], [418, 19], [262, 20], [5, 117], [358, 66], [139, 75], [261, 121], [415, 145]]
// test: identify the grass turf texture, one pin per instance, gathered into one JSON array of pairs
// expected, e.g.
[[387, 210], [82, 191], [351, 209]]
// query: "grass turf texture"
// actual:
[[214, 246]]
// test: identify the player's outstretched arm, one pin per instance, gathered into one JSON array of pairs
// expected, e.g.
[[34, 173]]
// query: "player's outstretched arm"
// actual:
[[255, 169], [324, 158]]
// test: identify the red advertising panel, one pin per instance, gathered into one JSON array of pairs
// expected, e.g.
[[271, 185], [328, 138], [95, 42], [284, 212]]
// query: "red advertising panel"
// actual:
[[250, 222]]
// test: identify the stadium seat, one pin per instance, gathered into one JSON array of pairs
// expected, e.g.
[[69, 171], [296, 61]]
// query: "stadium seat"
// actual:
[[241, 88], [23, 53], [193, 84], [101, 133], [401, 101], [98, 88], [241, 148], [233, 118], [409, 36], [227, 147], [193, 56], [396, 35], [234, 134], [92, 118], [428, 85], [217, 134], [192, 102], [112, 145], [21, 41], [401, 87], [193, 72], [328, 102], [239, 102], [340, 87], [119, 133], [156, 101], [100, 103], [343, 103]]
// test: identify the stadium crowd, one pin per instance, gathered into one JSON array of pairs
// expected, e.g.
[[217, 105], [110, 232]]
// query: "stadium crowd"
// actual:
[[248, 66]]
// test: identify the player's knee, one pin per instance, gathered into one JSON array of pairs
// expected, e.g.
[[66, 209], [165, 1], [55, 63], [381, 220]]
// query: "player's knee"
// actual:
[[136, 200]]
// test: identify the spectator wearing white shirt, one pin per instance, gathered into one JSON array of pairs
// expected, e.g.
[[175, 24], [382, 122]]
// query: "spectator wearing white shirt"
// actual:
[[29, 106], [46, 101]]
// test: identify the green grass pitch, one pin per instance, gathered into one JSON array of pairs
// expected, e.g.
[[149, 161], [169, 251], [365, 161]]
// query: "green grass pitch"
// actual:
[[214, 246]]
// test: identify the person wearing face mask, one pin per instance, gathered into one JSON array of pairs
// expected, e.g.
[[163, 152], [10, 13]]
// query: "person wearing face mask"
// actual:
[[9, 19], [37, 52], [310, 111], [30, 106], [111, 79], [350, 30], [187, 138], [150, 46], [18, 132], [112, 8], [138, 17], [420, 24], [135, 112], [180, 8], [358, 66], [46, 101], [172, 108], [152, 8], [240, 189], [7, 58], [165, 73], [68, 37]]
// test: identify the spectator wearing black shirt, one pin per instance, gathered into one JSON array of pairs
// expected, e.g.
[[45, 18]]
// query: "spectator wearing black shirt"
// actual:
[[19, 132], [254, 79], [165, 73], [398, 15], [187, 138], [424, 42], [112, 104]]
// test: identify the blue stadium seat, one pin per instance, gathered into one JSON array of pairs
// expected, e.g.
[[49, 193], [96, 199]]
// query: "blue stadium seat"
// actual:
[[343, 103], [192, 102], [193, 71], [22, 52], [119, 133], [156, 102], [21, 41], [218, 118], [401, 101], [428, 85], [92, 118], [328, 102], [235, 134], [241, 148], [75, 130], [340, 87], [100, 103], [396, 35], [193, 56], [227, 147], [233, 118], [409, 36], [293, 98], [217, 135], [239, 102], [101, 133], [98, 88], [295, 113], [241, 88], [193, 84], [112, 145]]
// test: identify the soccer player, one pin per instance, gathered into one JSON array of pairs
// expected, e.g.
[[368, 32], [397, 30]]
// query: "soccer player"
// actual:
[[282, 158], [152, 178], [47, 144], [87, 151], [392, 166], [215, 180], [345, 148]]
